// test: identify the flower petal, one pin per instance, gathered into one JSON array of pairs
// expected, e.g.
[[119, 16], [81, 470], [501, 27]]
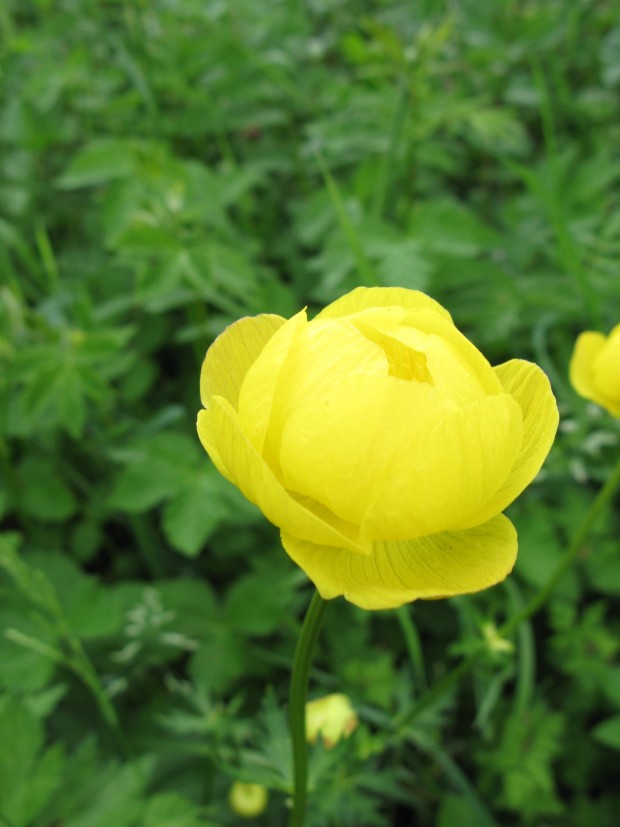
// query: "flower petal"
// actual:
[[231, 355], [256, 397], [607, 372], [587, 348], [365, 298], [340, 444], [394, 573], [529, 386], [237, 460], [443, 475], [319, 361]]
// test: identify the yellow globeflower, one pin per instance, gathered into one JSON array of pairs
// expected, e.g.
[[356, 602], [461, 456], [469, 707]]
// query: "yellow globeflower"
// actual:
[[248, 800], [595, 369], [331, 717], [380, 441]]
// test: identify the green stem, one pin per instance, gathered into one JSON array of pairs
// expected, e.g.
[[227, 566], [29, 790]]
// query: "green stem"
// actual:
[[449, 680], [541, 597], [297, 704], [414, 647]]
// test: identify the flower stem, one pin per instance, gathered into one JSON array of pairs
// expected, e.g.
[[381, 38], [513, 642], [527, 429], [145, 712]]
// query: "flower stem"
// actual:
[[414, 647], [450, 679], [541, 597], [297, 704]]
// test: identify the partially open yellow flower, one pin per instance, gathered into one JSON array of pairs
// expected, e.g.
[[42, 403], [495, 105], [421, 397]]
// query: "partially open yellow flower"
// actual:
[[331, 717], [595, 369], [248, 800], [380, 441]]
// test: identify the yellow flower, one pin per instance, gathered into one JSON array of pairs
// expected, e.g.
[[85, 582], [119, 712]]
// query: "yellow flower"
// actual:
[[331, 717], [595, 369], [380, 441], [248, 800]]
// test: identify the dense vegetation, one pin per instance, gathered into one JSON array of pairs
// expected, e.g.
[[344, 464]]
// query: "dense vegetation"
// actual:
[[169, 166]]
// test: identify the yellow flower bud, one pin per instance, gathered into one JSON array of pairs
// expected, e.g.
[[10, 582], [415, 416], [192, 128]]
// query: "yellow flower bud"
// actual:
[[380, 441], [331, 717], [595, 369], [248, 800]]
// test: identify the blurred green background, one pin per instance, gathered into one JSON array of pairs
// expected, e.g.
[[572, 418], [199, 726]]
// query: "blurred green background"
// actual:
[[167, 166]]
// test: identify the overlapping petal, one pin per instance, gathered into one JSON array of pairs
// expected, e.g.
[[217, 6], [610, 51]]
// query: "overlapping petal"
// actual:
[[257, 393], [231, 355], [371, 298], [237, 459], [394, 573], [343, 442], [587, 348], [444, 474], [530, 388]]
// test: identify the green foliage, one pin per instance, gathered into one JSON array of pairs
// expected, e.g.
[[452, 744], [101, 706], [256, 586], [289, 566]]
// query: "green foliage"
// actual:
[[168, 167]]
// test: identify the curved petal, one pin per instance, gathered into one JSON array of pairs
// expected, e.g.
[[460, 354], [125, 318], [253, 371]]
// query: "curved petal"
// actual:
[[440, 565], [342, 443], [318, 363], [233, 352], [587, 348], [455, 363], [366, 298], [607, 371], [237, 460], [443, 476], [529, 386], [256, 396]]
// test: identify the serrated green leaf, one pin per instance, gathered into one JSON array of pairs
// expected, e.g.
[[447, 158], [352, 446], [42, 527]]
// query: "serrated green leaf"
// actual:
[[191, 516], [608, 732], [28, 775], [98, 162], [42, 492]]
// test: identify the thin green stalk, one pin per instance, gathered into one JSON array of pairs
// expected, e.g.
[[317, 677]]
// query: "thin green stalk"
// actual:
[[541, 597], [297, 704], [526, 655], [534, 605], [365, 272], [414, 647]]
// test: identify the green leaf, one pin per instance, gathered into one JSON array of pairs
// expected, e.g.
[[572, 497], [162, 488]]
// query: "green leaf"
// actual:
[[256, 602], [191, 517], [171, 810], [100, 161], [91, 609], [155, 469], [220, 660], [457, 810], [42, 492], [608, 732], [28, 775]]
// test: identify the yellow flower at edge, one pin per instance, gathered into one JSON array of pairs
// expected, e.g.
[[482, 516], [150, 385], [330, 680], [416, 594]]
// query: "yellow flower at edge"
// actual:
[[595, 369], [248, 800], [380, 441], [331, 717]]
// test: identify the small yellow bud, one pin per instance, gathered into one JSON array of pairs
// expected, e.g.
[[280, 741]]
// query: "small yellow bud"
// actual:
[[595, 368], [494, 641], [331, 717], [248, 800]]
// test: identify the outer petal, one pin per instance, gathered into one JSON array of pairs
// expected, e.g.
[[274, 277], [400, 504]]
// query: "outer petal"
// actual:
[[443, 476], [235, 457], [319, 361], [365, 298], [587, 348], [530, 387], [440, 565], [231, 355], [341, 444], [257, 392], [607, 374]]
